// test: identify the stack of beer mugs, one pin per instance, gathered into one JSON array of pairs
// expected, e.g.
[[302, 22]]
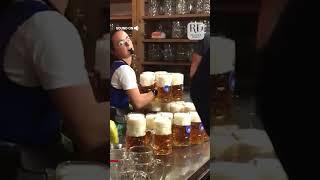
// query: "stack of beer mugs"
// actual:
[[163, 130], [169, 86]]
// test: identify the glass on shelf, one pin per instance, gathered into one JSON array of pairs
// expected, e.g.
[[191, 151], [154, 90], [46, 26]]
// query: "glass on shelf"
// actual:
[[168, 7], [178, 29], [168, 52], [207, 26], [181, 52], [191, 6], [154, 7], [181, 7], [206, 6], [190, 51], [154, 52], [199, 7]]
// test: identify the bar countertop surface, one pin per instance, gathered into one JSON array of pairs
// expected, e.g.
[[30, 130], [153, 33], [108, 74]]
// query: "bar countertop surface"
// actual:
[[190, 162]]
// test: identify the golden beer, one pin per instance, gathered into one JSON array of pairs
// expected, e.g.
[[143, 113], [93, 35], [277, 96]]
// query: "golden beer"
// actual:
[[162, 142], [150, 127], [196, 135], [147, 82], [181, 129], [136, 130], [164, 88], [177, 86]]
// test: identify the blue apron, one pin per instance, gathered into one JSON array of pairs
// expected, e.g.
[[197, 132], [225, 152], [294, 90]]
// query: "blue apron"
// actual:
[[27, 115], [118, 97]]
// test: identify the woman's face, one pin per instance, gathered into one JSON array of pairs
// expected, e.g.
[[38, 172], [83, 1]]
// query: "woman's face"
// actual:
[[122, 44]]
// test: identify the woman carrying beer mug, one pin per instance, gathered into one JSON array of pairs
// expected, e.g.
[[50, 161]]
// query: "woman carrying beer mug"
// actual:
[[124, 87]]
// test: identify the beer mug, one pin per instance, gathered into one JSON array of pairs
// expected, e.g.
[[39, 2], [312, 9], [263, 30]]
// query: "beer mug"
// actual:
[[164, 87], [196, 135], [142, 161], [147, 81], [166, 114], [177, 107], [189, 107], [71, 170], [177, 86], [154, 106], [162, 139], [181, 129], [136, 130], [158, 73], [150, 117], [119, 164]]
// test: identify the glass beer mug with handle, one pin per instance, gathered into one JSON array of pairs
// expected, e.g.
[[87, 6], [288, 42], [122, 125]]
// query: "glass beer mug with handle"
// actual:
[[162, 139], [142, 161], [177, 86], [196, 135], [150, 117], [181, 129], [136, 130], [163, 82], [147, 81]]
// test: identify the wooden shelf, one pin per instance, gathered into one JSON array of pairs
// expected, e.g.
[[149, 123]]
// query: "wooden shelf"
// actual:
[[166, 63], [121, 18], [184, 16], [169, 40]]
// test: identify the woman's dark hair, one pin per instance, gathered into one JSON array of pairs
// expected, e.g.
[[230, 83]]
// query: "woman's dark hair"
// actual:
[[112, 57]]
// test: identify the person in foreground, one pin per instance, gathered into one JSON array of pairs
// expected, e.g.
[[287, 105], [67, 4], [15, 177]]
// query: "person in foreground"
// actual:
[[44, 83], [286, 91]]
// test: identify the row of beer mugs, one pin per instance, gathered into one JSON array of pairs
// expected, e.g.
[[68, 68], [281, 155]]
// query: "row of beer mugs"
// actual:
[[169, 85], [163, 130], [173, 107]]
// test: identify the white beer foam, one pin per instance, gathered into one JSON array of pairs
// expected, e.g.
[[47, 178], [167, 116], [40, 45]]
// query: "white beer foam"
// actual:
[[177, 79], [177, 107], [136, 125], [166, 114], [135, 116], [182, 119], [164, 80], [147, 79], [79, 171], [189, 106], [162, 126], [195, 117], [150, 120]]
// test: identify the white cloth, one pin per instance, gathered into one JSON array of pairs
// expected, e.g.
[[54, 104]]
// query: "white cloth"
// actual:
[[46, 51], [222, 55], [124, 78]]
